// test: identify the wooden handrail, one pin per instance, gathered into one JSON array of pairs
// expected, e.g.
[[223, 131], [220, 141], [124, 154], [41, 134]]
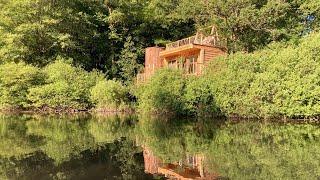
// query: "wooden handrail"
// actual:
[[213, 40]]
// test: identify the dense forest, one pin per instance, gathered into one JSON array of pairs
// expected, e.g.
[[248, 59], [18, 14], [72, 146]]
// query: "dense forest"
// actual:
[[82, 54]]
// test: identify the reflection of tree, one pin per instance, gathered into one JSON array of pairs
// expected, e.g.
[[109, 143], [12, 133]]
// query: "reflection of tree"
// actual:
[[117, 131], [242, 150], [129, 158], [70, 146], [172, 140], [64, 137], [15, 143], [107, 129], [253, 150], [13, 138], [62, 147]]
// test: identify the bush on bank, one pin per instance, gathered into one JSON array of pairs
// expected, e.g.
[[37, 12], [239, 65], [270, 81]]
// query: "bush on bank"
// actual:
[[110, 95], [282, 81], [66, 87], [15, 80], [163, 93], [169, 91], [58, 86], [199, 97]]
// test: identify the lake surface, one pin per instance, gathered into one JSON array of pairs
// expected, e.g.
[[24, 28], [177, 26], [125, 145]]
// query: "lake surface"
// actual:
[[145, 147]]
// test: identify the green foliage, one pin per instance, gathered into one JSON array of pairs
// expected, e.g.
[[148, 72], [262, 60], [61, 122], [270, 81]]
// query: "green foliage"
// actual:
[[38, 31], [280, 81], [58, 86], [110, 95], [169, 91], [163, 93], [111, 36], [66, 87], [244, 24], [15, 80], [107, 35], [311, 9], [199, 97]]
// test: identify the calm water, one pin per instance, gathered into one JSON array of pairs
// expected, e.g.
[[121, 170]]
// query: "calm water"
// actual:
[[142, 147]]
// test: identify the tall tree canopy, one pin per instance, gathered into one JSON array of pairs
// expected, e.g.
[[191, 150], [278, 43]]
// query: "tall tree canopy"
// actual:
[[111, 35], [251, 24]]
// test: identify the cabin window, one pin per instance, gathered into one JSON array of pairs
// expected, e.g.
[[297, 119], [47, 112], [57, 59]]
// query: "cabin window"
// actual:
[[193, 65], [172, 64], [182, 63]]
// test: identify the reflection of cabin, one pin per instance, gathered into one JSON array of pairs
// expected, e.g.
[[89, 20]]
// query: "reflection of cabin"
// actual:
[[192, 167], [189, 54]]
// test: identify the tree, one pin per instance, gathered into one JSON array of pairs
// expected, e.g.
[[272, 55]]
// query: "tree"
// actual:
[[15, 81], [37, 32], [250, 25]]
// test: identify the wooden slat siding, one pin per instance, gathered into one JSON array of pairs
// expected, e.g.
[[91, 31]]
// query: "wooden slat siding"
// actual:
[[210, 54], [152, 60]]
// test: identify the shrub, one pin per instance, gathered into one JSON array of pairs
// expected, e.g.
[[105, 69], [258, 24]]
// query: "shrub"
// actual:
[[15, 80], [163, 93], [199, 97], [231, 79], [282, 81], [169, 91], [109, 95], [66, 87]]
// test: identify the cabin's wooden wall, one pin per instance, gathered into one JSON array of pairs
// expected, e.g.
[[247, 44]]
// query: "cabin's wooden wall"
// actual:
[[152, 59], [212, 53]]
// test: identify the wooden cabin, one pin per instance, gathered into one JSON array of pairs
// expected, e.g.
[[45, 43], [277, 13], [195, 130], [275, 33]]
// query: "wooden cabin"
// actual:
[[190, 55]]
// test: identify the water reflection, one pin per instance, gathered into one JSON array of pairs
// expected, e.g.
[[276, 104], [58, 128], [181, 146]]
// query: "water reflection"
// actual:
[[243, 150], [190, 167], [52, 147], [144, 147]]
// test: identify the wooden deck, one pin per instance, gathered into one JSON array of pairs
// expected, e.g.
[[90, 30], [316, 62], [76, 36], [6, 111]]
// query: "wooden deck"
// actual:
[[199, 39]]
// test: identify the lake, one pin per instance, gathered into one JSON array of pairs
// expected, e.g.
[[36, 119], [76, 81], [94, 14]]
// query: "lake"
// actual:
[[146, 147]]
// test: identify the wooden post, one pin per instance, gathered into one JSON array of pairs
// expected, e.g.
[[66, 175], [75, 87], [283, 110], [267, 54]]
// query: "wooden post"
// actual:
[[201, 61], [165, 63]]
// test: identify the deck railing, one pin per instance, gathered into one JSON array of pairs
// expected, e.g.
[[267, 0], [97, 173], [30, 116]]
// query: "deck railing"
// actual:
[[213, 40]]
